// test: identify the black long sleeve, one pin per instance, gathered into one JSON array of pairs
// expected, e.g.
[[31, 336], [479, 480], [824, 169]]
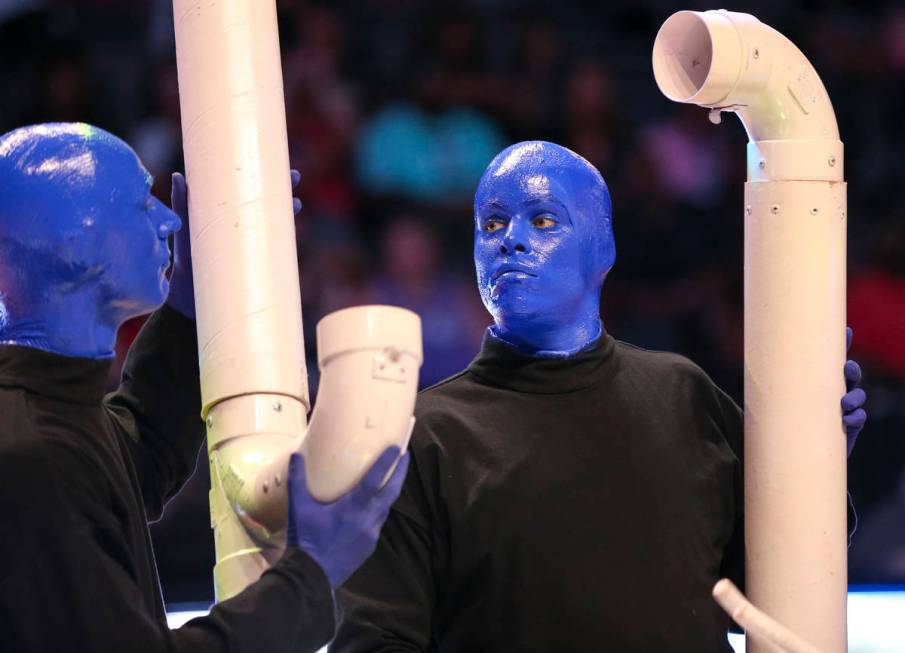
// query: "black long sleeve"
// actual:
[[158, 406], [391, 600], [585, 504], [76, 568]]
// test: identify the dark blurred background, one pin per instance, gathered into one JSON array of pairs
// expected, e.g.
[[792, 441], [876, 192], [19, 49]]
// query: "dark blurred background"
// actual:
[[394, 108]]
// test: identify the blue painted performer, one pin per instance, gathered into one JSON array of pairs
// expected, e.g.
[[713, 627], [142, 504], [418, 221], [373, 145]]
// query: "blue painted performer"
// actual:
[[83, 247], [568, 492]]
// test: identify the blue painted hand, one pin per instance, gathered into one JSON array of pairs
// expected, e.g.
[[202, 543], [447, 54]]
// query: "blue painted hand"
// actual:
[[182, 287], [543, 246], [853, 414], [339, 536]]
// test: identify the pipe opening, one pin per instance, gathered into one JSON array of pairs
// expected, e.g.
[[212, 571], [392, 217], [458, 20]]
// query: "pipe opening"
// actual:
[[683, 52]]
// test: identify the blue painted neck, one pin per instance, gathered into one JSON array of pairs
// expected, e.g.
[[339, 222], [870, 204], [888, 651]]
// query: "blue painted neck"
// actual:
[[551, 342], [55, 330]]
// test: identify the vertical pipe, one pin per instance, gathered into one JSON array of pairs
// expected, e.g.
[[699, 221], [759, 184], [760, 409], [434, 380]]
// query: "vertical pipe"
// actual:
[[795, 471], [795, 466], [253, 379]]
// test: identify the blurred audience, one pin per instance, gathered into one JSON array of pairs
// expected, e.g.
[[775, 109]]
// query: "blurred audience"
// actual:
[[414, 276], [394, 108]]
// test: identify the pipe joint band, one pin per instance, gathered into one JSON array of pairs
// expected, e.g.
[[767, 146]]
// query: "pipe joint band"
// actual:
[[255, 414], [795, 160]]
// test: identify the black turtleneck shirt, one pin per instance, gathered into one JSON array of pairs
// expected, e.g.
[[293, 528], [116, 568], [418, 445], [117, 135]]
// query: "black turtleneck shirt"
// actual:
[[579, 504], [80, 474]]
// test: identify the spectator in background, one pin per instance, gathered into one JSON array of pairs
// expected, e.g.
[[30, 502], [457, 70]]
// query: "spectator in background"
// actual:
[[334, 267], [65, 92], [454, 71], [157, 136], [674, 290], [689, 157], [539, 68], [431, 144], [434, 159], [876, 301], [876, 308], [590, 122], [322, 114], [411, 275]]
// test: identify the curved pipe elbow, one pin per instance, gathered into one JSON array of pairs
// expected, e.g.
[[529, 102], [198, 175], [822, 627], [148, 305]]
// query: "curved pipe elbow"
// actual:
[[250, 438], [732, 61], [369, 357]]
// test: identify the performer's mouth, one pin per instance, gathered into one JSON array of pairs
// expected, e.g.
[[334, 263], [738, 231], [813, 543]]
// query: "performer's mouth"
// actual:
[[512, 273]]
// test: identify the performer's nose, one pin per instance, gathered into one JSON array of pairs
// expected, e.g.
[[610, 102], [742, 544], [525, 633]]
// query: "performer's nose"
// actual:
[[167, 220], [514, 240]]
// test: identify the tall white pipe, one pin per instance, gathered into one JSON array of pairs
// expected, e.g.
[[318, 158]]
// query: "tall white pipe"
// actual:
[[253, 378], [795, 224], [247, 301]]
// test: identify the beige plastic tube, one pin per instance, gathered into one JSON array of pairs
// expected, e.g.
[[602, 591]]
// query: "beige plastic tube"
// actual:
[[795, 225], [247, 301], [253, 378]]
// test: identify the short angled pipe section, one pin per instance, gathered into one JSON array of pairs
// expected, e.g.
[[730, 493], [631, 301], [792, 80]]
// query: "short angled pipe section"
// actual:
[[757, 625], [369, 358], [253, 378], [795, 224]]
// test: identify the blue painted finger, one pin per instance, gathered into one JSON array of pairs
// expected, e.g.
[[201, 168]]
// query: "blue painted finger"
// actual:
[[370, 484], [853, 400], [852, 373], [298, 483], [179, 196], [854, 421]]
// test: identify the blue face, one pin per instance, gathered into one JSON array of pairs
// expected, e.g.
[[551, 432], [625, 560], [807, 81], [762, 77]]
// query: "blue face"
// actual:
[[542, 247], [82, 233], [130, 227]]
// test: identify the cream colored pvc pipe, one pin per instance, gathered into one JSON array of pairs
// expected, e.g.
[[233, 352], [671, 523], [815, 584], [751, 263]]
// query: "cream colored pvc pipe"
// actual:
[[795, 225], [369, 357], [247, 301], [253, 378]]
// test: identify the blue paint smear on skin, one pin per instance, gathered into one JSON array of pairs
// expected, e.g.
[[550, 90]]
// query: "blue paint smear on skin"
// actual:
[[543, 246], [83, 243]]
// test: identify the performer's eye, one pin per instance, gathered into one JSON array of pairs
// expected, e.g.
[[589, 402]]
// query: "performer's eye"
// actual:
[[493, 224], [544, 221]]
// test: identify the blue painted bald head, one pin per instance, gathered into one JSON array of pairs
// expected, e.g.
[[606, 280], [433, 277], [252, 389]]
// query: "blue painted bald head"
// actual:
[[83, 243], [543, 246]]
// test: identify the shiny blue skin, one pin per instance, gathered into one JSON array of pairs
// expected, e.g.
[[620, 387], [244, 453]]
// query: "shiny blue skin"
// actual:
[[543, 245], [83, 242], [340, 535]]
